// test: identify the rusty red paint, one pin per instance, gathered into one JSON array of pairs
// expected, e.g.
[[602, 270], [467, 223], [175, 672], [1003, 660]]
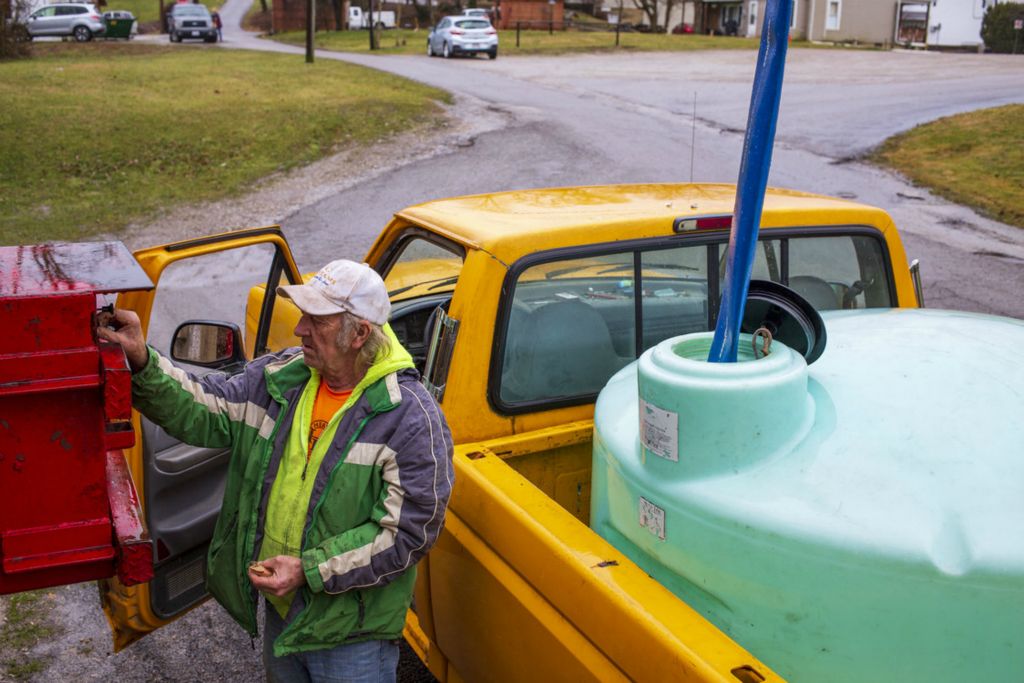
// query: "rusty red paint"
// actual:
[[65, 402], [49, 269], [135, 551]]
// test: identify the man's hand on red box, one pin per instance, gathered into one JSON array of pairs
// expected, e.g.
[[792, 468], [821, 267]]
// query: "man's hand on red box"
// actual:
[[123, 327]]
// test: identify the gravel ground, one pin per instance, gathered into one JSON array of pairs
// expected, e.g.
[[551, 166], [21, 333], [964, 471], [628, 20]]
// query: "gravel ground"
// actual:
[[276, 197], [73, 641]]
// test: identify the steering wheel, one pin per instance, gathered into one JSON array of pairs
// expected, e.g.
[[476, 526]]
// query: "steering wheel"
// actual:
[[853, 291]]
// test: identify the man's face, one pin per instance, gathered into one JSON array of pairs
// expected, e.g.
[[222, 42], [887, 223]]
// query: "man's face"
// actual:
[[320, 341]]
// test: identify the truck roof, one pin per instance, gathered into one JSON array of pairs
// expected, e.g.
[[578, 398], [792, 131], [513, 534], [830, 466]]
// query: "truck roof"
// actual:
[[511, 224]]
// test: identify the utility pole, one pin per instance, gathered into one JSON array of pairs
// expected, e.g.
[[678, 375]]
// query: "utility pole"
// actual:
[[373, 45], [310, 27], [618, 24]]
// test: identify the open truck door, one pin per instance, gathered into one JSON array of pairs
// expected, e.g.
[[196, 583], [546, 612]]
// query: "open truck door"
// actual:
[[229, 279]]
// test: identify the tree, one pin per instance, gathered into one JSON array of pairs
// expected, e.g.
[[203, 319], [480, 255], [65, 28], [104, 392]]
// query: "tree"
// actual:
[[997, 27], [14, 38], [653, 11]]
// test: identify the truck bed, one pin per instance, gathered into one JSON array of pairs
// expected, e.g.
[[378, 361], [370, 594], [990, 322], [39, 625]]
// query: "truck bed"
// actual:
[[579, 608]]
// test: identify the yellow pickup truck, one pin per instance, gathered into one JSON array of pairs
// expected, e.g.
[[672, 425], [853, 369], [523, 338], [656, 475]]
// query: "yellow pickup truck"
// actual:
[[519, 306]]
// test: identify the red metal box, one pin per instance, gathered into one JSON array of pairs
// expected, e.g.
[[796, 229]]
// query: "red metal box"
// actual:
[[65, 411]]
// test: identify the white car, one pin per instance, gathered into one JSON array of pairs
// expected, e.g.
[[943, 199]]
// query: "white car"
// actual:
[[462, 35]]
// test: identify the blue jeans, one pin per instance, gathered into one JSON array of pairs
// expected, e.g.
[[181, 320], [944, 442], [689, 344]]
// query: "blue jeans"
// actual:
[[371, 661]]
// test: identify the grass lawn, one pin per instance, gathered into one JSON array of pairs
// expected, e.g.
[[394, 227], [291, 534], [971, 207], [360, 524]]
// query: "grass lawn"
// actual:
[[975, 159], [95, 135], [408, 41]]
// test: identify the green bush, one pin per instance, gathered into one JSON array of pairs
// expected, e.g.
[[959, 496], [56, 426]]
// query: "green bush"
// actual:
[[997, 27]]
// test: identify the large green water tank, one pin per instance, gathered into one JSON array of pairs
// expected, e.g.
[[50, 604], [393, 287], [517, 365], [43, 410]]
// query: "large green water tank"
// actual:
[[859, 520]]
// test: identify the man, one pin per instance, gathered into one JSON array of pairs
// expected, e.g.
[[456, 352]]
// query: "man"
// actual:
[[338, 482]]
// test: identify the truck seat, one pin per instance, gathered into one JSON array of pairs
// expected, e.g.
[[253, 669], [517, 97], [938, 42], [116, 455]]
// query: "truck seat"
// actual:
[[560, 349], [817, 292]]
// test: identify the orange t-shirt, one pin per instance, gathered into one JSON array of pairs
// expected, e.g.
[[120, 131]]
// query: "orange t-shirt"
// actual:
[[327, 403]]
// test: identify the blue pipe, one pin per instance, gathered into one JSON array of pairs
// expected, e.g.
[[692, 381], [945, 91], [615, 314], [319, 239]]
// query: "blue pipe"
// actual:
[[757, 159]]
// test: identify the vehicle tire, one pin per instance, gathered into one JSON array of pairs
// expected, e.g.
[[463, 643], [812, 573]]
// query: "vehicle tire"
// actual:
[[173, 37], [379, 26], [493, 54], [210, 40], [446, 51], [430, 49], [82, 34]]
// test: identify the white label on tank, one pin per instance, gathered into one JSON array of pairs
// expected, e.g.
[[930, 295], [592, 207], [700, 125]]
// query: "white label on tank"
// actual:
[[659, 431], [652, 518]]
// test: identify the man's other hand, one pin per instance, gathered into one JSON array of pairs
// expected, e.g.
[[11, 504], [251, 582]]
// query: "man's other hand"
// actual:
[[123, 327], [286, 575]]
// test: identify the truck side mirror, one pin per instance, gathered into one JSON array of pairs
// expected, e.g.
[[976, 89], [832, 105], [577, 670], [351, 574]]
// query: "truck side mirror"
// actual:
[[915, 276], [207, 344]]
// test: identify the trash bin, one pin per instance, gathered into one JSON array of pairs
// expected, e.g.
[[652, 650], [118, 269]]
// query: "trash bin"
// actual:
[[120, 24]]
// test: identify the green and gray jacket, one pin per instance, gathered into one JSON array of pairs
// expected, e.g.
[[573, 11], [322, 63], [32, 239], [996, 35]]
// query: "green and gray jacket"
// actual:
[[377, 505]]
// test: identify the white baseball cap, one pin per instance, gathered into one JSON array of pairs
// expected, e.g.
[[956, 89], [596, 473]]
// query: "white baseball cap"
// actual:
[[342, 286]]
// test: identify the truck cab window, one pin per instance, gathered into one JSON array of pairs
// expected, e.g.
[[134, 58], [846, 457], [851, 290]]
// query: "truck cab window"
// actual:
[[571, 326], [420, 276], [572, 323], [674, 283], [846, 271]]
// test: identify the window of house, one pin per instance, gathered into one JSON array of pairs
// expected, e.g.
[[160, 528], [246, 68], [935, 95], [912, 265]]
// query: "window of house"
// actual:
[[569, 324], [792, 16], [833, 15], [752, 14]]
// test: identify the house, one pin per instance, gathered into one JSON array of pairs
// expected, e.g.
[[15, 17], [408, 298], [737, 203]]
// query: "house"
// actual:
[[536, 14], [290, 15], [918, 23], [921, 23], [724, 17]]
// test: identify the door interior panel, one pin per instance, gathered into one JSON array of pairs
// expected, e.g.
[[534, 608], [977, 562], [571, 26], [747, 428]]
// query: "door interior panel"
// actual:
[[184, 487]]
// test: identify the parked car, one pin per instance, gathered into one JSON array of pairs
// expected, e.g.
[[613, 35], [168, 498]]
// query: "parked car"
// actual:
[[479, 12], [189, 21], [77, 19], [462, 35]]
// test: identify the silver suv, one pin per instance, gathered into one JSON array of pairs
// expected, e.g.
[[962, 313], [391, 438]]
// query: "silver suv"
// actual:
[[78, 19], [186, 20]]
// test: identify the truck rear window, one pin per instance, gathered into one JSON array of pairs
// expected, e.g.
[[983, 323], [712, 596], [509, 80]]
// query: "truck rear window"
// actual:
[[571, 323]]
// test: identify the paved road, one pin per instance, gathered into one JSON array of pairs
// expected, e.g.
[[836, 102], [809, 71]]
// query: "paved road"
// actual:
[[629, 117]]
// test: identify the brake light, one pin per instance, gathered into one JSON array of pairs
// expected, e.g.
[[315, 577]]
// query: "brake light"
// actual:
[[95, 17], [715, 222], [457, 32]]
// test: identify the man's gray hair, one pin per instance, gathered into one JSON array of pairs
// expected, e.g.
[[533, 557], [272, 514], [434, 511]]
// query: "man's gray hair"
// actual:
[[377, 343]]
